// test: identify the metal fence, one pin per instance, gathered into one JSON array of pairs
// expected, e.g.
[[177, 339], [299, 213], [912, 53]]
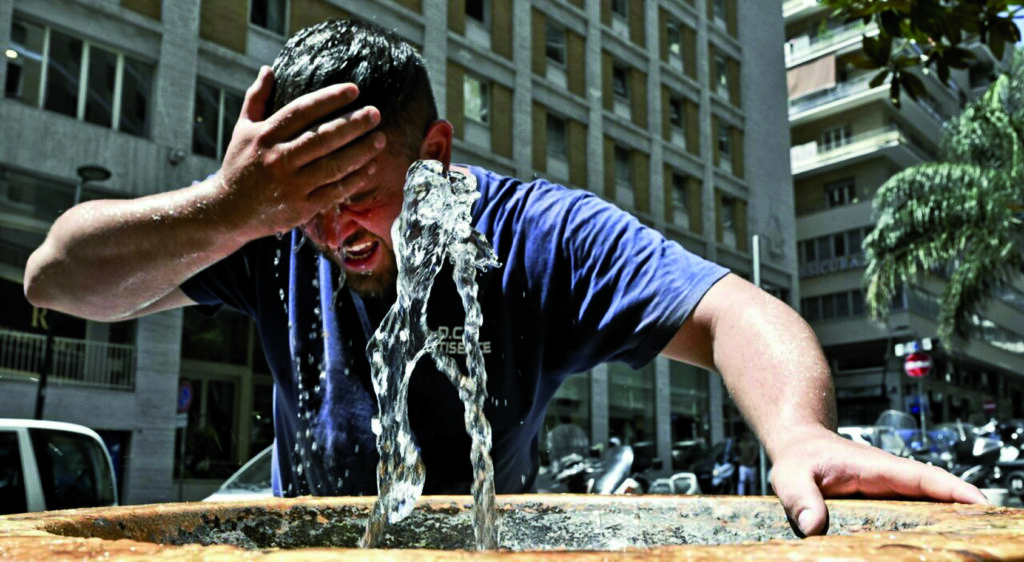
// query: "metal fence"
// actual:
[[98, 364]]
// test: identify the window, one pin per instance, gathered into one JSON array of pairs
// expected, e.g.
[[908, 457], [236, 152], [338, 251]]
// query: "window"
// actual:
[[839, 193], [721, 12], [45, 69], [681, 214], [839, 244], [556, 137], [623, 169], [73, 469], [727, 218], [215, 113], [725, 146], [674, 37], [478, 10], [721, 75], [620, 81], [477, 99], [555, 44], [855, 241], [269, 14], [12, 482], [835, 137], [841, 305], [676, 113], [857, 302], [620, 8]]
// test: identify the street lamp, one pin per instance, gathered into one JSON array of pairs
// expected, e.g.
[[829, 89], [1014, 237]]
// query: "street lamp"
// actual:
[[86, 173]]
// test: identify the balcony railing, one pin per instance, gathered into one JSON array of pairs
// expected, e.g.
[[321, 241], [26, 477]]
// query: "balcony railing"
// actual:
[[98, 364], [808, 155], [821, 97], [804, 45]]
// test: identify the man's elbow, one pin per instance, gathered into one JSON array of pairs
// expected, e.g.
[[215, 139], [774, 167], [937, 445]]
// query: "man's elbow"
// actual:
[[37, 292]]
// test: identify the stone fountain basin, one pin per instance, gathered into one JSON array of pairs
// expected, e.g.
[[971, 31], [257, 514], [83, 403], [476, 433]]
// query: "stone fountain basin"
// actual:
[[532, 526]]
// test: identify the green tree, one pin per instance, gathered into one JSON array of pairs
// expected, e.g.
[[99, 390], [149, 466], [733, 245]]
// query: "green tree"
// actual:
[[959, 217], [927, 32]]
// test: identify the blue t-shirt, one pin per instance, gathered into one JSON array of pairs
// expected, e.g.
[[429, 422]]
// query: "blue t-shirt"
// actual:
[[581, 283]]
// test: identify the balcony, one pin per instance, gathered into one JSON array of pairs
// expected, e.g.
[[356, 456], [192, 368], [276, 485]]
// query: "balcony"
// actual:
[[805, 46], [840, 91], [793, 8], [87, 363], [891, 141]]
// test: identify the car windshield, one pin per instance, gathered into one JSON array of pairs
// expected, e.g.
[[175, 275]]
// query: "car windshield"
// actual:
[[73, 468], [254, 476]]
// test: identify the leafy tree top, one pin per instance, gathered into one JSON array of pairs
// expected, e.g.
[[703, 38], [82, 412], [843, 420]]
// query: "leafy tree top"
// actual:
[[927, 33]]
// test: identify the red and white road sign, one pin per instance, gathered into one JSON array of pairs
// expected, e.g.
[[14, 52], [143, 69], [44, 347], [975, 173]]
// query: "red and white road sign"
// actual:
[[917, 364]]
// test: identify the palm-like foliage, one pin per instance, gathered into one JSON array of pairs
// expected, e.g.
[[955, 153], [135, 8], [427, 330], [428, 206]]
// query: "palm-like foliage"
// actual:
[[960, 216]]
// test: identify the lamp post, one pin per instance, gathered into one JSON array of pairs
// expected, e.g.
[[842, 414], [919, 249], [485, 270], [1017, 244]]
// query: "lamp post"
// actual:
[[86, 173]]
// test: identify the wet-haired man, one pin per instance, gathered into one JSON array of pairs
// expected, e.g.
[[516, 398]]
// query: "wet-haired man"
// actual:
[[321, 150]]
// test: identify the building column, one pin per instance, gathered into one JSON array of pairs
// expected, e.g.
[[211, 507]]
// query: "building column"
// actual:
[[710, 219], [522, 102], [179, 59], [6, 15], [151, 451], [663, 412], [716, 400], [595, 117], [599, 405], [656, 170], [435, 49]]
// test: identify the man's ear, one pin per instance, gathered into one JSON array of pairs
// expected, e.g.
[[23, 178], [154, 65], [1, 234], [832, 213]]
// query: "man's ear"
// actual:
[[437, 143]]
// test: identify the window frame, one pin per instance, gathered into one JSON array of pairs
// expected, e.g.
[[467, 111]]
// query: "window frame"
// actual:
[[84, 75], [564, 153], [846, 189], [223, 134], [485, 9], [484, 117], [548, 46], [285, 14]]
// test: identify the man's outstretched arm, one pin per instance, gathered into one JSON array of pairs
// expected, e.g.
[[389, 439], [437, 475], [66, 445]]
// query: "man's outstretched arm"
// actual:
[[774, 368], [114, 260]]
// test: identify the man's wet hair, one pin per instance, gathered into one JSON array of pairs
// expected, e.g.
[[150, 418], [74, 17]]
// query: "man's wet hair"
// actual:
[[390, 74]]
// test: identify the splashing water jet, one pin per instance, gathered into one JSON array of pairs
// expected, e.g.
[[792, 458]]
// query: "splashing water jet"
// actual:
[[434, 224]]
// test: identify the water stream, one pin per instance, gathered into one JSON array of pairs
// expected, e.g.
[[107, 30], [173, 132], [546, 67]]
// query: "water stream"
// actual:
[[434, 226]]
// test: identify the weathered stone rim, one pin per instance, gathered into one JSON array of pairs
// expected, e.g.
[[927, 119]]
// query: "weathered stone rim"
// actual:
[[941, 532]]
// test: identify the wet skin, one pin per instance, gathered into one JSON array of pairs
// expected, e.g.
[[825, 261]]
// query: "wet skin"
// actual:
[[356, 234]]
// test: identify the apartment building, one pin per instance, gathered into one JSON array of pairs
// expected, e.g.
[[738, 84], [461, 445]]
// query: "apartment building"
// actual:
[[847, 140], [673, 109]]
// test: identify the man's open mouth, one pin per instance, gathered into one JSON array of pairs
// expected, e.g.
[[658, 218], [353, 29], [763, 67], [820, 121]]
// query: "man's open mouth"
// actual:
[[359, 252]]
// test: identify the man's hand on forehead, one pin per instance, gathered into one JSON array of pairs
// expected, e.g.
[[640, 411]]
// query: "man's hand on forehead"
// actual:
[[281, 171]]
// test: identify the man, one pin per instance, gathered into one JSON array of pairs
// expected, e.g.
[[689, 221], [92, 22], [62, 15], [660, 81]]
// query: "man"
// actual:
[[322, 153]]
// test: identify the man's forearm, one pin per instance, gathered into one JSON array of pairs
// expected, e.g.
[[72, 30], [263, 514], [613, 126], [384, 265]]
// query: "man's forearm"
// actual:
[[774, 369], [106, 260]]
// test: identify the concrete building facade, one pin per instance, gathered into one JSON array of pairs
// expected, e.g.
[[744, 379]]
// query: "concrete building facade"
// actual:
[[848, 139], [673, 109]]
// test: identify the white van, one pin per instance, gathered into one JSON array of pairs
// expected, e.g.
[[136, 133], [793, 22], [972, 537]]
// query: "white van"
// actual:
[[48, 465]]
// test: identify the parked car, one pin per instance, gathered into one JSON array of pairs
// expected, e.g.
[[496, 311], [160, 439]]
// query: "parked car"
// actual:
[[250, 482], [48, 465]]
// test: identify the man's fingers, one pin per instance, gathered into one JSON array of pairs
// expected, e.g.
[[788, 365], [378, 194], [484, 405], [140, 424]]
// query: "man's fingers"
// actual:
[[341, 163], [305, 111], [327, 137], [802, 501], [905, 477], [331, 194], [254, 106]]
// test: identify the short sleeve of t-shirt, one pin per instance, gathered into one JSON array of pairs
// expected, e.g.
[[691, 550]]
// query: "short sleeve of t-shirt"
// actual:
[[230, 281], [609, 287]]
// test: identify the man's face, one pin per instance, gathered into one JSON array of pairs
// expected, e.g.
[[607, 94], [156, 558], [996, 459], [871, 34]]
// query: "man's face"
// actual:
[[357, 235]]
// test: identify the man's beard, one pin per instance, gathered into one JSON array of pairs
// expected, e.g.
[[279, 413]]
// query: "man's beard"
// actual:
[[378, 283], [374, 283]]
